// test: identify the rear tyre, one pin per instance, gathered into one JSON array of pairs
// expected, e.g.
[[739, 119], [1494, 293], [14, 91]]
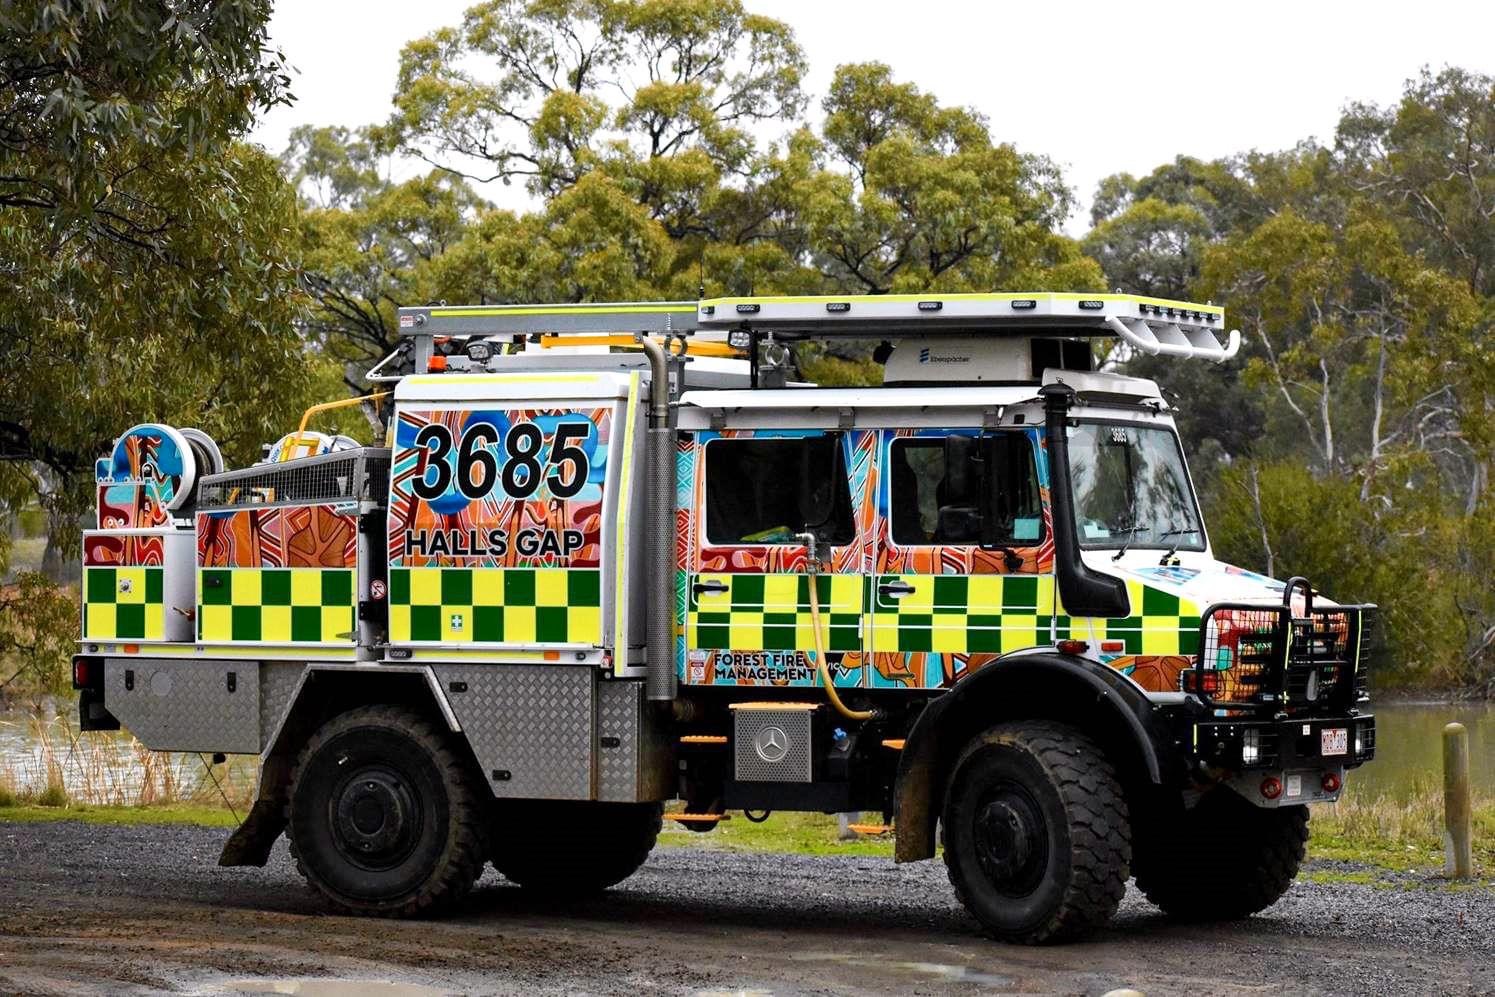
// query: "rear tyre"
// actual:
[[1036, 834], [1223, 860], [573, 848], [384, 817]]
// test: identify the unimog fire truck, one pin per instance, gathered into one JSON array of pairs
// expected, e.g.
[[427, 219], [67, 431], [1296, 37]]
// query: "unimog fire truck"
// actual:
[[612, 556]]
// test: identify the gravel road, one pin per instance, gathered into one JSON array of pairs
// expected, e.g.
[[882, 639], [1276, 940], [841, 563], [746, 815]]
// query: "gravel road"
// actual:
[[95, 910]]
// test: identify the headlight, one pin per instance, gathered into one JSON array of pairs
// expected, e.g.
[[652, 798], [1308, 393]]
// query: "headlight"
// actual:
[[739, 339], [480, 350], [1250, 746]]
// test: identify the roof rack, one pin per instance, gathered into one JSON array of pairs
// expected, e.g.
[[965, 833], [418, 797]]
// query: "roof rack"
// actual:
[[1155, 326]]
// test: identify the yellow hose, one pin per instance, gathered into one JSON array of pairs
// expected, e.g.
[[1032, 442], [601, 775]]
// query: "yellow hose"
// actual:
[[821, 665]]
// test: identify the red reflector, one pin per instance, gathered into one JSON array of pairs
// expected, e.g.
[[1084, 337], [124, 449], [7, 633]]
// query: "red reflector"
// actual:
[[1271, 787], [80, 673], [1330, 782], [1113, 646], [1073, 647]]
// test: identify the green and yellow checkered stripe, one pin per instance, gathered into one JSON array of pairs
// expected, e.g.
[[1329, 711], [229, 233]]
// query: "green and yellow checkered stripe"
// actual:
[[1161, 623], [963, 614], [276, 605], [772, 612], [495, 605], [124, 603]]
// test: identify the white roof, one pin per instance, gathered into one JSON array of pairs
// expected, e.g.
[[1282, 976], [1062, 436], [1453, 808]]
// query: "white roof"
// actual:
[[861, 398]]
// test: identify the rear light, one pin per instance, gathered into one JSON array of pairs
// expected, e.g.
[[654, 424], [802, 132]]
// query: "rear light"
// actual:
[[1073, 647], [1330, 782], [1271, 787], [88, 673]]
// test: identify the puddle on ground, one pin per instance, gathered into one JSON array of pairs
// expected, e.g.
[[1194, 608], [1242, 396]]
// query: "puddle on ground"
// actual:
[[323, 986], [941, 971]]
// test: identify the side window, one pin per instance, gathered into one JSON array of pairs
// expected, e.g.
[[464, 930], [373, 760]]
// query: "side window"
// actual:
[[764, 490], [964, 490]]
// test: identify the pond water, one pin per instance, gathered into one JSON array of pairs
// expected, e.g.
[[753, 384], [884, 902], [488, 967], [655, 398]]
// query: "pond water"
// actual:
[[46, 748], [114, 769]]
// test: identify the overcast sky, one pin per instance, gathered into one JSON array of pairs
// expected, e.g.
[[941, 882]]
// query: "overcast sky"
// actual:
[[1100, 87]]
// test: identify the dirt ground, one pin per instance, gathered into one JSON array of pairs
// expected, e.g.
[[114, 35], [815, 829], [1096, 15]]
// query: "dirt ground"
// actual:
[[111, 910]]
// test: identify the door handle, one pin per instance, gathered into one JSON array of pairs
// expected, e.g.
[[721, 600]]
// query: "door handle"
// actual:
[[712, 586], [895, 590]]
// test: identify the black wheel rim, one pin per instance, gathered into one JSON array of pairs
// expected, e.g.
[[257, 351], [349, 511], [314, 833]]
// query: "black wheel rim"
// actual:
[[376, 817], [1011, 839]]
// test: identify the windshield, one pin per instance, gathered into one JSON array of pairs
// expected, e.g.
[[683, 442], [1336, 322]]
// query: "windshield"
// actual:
[[1130, 488]]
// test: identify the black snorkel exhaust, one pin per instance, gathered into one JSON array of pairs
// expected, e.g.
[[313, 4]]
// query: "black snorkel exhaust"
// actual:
[[1083, 590]]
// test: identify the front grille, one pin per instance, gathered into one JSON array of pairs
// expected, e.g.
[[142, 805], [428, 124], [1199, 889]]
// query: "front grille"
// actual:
[[360, 474], [1265, 659]]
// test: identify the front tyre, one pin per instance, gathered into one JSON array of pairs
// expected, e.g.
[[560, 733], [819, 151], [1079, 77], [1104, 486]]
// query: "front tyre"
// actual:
[[384, 817], [1223, 860], [1036, 834]]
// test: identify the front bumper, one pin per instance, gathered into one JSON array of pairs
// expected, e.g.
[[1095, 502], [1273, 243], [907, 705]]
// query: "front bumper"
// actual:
[[1277, 763], [1244, 745]]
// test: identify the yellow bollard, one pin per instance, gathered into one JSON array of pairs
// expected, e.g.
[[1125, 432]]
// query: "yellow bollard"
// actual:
[[1458, 860]]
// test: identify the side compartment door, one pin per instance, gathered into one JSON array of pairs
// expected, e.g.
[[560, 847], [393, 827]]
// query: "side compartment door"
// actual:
[[496, 518], [963, 554], [745, 575]]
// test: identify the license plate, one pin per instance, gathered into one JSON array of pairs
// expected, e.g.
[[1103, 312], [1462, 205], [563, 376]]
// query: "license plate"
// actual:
[[1334, 741]]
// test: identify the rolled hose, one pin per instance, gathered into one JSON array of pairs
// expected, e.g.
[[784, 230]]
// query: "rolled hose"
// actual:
[[821, 666]]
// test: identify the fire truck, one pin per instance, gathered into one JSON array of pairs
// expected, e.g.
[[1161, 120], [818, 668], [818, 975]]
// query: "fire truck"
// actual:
[[611, 557]]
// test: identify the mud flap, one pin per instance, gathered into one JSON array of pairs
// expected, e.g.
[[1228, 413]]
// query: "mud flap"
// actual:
[[251, 842]]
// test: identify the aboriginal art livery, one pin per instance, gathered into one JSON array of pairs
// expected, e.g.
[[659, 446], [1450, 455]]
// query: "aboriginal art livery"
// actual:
[[495, 526]]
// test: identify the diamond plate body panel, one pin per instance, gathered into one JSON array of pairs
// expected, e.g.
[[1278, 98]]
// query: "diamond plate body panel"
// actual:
[[277, 684], [185, 704], [793, 739], [534, 725], [619, 717]]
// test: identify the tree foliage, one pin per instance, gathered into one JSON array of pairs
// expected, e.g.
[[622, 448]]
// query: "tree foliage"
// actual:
[[147, 255], [1353, 441]]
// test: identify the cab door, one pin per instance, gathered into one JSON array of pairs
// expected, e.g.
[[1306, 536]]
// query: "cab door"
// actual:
[[962, 554], [747, 576]]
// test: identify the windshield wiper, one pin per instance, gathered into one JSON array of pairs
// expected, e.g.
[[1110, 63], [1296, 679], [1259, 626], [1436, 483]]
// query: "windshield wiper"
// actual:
[[1173, 548], [1129, 532]]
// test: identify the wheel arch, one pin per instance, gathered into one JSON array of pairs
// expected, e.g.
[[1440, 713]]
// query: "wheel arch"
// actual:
[[322, 692], [1103, 703]]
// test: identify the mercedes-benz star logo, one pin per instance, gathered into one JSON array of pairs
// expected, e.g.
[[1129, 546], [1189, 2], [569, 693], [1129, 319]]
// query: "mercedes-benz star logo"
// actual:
[[771, 744]]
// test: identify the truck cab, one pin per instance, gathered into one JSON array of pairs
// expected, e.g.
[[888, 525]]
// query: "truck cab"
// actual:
[[613, 556]]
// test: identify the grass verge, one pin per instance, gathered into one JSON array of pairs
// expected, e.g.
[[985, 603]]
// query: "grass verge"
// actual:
[[170, 813]]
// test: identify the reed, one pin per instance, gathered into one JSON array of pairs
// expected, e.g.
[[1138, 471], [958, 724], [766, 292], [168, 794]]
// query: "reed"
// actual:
[[61, 766], [1401, 831]]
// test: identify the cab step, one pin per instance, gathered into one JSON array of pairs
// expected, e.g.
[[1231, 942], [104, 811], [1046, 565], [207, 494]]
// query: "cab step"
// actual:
[[699, 818], [870, 828], [703, 739]]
